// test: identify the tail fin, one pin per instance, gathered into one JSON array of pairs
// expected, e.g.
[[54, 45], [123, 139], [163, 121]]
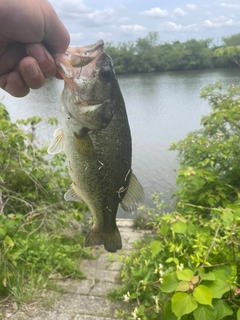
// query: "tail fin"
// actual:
[[111, 240]]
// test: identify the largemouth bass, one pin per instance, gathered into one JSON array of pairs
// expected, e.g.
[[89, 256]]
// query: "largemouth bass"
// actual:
[[96, 137]]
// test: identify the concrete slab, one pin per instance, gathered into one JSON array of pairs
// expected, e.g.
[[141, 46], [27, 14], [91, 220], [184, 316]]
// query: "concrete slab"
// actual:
[[96, 271], [116, 266], [76, 286], [101, 289], [126, 223], [42, 315], [81, 317], [86, 305]]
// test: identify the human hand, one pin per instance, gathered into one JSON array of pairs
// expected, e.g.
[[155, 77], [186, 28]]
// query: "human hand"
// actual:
[[29, 29]]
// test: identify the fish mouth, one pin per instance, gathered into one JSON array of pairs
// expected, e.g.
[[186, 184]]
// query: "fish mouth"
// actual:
[[79, 61]]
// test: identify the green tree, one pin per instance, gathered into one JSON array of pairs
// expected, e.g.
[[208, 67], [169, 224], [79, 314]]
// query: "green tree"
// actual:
[[122, 56], [177, 57], [146, 53], [230, 49], [199, 53]]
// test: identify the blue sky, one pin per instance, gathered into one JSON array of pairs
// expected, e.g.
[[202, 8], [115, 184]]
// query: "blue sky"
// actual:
[[126, 20]]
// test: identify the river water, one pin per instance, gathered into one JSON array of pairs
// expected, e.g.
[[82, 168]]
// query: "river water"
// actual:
[[162, 108]]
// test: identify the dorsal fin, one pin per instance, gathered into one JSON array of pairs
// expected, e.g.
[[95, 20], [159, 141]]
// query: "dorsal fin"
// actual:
[[57, 144], [134, 195]]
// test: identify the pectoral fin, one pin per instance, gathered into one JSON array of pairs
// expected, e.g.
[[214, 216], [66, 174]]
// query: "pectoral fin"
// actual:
[[134, 195], [57, 145], [71, 195], [84, 144]]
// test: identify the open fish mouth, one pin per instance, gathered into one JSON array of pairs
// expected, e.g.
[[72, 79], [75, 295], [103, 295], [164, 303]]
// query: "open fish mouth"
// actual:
[[79, 61]]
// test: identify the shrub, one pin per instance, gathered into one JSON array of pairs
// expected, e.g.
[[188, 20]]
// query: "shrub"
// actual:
[[209, 172], [40, 233], [191, 270]]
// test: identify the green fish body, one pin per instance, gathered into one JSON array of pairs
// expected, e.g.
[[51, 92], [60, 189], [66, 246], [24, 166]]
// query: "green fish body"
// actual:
[[96, 137]]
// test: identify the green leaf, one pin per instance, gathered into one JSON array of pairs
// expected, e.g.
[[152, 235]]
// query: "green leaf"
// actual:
[[179, 227], [204, 313], [183, 286], [185, 274], [238, 314], [164, 227], [191, 228], [218, 288], [3, 231], [227, 216], [8, 242], [167, 308], [156, 247], [211, 201], [222, 309], [169, 283], [182, 304], [223, 273], [175, 260], [206, 276], [203, 295], [195, 279]]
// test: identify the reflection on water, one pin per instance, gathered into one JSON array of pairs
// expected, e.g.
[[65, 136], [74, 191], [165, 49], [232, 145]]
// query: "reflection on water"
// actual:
[[162, 108]]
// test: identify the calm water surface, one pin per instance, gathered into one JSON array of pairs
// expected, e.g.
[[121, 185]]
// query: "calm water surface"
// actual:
[[162, 108]]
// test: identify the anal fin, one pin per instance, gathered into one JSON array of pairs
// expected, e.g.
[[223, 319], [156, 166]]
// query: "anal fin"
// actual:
[[133, 196], [71, 195], [57, 144]]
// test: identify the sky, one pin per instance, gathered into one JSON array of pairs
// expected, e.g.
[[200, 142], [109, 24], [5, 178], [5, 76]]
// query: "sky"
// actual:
[[127, 20]]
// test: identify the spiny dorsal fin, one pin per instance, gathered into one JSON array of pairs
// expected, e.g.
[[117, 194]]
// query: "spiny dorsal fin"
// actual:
[[134, 195], [57, 145], [71, 195]]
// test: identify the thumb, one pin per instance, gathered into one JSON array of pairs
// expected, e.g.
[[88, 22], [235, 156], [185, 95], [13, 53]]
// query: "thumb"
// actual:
[[56, 37]]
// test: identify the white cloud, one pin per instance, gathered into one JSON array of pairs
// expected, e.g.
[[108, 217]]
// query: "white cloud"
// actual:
[[179, 12], [219, 22], [69, 7], [100, 17], [124, 20], [129, 20], [171, 26], [102, 35], [155, 13], [134, 29], [77, 11], [191, 6], [230, 4], [77, 36]]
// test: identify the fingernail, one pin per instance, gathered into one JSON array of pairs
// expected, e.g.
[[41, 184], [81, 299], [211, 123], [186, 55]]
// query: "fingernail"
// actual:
[[40, 55], [32, 70]]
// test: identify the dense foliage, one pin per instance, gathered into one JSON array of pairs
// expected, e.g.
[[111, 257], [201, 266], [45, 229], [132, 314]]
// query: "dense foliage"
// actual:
[[149, 55], [191, 270], [40, 234], [231, 49]]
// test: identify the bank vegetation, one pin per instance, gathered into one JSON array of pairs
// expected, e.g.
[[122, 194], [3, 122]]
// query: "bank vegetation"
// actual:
[[148, 54]]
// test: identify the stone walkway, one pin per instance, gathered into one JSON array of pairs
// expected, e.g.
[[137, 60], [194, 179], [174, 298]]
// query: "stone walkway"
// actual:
[[86, 299]]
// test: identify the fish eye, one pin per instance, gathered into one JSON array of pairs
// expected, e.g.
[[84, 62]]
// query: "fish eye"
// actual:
[[106, 73]]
